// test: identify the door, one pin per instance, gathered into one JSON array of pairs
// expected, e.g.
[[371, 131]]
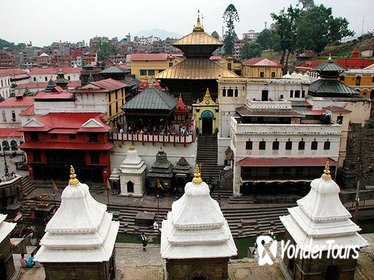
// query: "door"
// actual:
[[265, 95], [207, 122]]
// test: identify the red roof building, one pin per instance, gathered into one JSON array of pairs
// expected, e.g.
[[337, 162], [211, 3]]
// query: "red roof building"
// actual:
[[55, 141], [259, 67]]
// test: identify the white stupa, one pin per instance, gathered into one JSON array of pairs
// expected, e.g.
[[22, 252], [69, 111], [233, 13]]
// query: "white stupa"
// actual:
[[5, 227], [196, 227], [81, 230], [132, 177], [320, 216]]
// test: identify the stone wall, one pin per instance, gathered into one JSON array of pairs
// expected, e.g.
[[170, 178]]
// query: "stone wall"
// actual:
[[210, 268]]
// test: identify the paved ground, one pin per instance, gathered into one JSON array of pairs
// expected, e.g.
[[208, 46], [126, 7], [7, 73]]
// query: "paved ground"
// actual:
[[135, 264]]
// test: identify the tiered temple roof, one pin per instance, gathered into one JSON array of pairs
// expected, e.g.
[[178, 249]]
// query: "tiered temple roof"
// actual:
[[132, 163], [196, 227], [321, 216], [80, 231], [162, 167]]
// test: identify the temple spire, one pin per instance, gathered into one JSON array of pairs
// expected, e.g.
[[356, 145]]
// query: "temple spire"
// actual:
[[198, 27], [73, 178], [326, 174], [197, 179]]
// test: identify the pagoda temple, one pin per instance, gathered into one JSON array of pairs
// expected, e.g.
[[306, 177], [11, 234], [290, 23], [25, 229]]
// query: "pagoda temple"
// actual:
[[7, 269], [79, 239], [196, 240], [160, 174], [320, 219], [196, 73]]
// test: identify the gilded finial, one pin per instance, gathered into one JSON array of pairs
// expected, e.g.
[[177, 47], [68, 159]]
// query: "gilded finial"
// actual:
[[132, 146], [330, 59], [207, 94], [198, 27], [73, 178], [197, 174], [326, 174]]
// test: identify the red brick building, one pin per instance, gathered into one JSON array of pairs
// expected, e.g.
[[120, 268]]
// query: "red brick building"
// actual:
[[55, 141]]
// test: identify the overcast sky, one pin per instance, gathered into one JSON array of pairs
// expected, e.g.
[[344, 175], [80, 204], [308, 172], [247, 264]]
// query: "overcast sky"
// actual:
[[46, 21]]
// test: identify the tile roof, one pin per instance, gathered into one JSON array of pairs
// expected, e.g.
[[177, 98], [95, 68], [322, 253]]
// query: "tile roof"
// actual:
[[196, 69], [67, 121], [13, 73], [260, 61], [44, 71], [114, 70], [330, 88], [148, 56], [109, 84], [64, 94], [26, 101], [276, 162], [28, 112], [151, 99], [10, 132]]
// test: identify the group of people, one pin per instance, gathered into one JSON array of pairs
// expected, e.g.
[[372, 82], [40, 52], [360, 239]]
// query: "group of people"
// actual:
[[28, 262]]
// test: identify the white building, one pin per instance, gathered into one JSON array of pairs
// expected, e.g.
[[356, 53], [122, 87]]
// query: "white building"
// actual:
[[46, 74], [9, 77], [81, 234], [195, 237], [320, 219]]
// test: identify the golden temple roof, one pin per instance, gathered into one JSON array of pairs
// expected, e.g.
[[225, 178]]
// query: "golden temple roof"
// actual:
[[197, 38], [196, 69]]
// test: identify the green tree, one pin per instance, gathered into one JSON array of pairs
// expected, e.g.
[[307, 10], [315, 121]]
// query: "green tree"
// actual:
[[285, 26], [215, 35], [317, 28], [230, 16], [250, 50], [268, 39], [105, 48]]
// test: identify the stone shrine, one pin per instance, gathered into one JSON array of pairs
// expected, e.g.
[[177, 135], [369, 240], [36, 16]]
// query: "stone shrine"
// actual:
[[196, 240], [79, 239], [321, 225]]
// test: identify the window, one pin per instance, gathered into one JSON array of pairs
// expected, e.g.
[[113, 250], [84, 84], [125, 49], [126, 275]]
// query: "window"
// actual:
[[276, 145], [170, 64], [236, 92], [326, 145], [314, 145], [72, 136], [4, 116], [5, 145], [303, 93], [291, 93], [229, 66], [273, 75], [249, 145], [46, 79], [339, 120], [224, 92], [143, 72], [34, 136], [358, 80], [13, 145], [230, 92], [69, 78], [297, 93], [13, 116], [151, 72], [262, 145], [92, 137], [34, 79], [53, 136], [289, 145], [301, 145], [262, 74]]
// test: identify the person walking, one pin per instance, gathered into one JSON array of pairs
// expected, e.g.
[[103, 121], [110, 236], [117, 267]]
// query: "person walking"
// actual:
[[144, 240]]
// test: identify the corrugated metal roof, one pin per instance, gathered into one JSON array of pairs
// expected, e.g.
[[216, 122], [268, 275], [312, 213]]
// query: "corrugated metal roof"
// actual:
[[329, 66], [330, 88], [197, 38], [196, 69], [114, 70], [151, 99]]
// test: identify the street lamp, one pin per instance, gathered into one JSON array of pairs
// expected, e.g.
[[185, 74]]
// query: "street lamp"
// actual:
[[6, 168]]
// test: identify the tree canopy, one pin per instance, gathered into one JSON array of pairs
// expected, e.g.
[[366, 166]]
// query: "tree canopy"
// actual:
[[105, 48], [230, 16], [250, 50]]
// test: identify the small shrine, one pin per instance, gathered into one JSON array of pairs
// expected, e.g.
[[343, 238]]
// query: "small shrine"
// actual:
[[7, 269], [181, 111], [206, 115], [160, 174], [132, 176], [196, 240], [320, 219], [79, 239], [60, 80], [182, 174]]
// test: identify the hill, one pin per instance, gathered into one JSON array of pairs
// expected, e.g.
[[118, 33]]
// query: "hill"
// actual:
[[345, 49]]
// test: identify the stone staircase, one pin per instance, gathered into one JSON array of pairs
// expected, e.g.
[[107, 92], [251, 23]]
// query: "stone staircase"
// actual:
[[207, 152], [27, 186]]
